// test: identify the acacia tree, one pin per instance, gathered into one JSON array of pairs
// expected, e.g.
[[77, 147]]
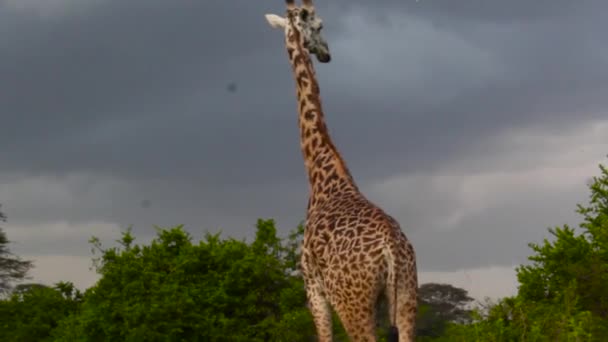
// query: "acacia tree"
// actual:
[[439, 305], [12, 268]]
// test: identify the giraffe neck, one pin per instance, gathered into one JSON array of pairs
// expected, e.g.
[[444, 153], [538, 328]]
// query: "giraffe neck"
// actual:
[[327, 172]]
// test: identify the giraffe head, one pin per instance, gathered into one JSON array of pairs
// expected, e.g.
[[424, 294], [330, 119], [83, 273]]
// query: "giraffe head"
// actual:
[[303, 22]]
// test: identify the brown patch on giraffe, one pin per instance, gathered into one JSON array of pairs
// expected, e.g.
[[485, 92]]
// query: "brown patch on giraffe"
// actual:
[[309, 115]]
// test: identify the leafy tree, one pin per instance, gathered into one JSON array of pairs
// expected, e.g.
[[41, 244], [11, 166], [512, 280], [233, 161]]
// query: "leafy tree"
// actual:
[[33, 311], [563, 292], [572, 270], [175, 290], [12, 268], [24, 288]]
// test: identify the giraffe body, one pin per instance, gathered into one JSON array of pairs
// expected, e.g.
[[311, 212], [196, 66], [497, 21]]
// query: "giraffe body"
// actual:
[[352, 251]]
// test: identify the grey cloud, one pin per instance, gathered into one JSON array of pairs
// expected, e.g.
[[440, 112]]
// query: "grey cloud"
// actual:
[[514, 11], [71, 88], [192, 105], [109, 84], [500, 234]]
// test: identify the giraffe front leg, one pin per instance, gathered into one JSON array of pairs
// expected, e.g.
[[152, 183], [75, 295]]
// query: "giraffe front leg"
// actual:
[[320, 311]]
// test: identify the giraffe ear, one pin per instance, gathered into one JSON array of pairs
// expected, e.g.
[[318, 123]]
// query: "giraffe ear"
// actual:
[[276, 21]]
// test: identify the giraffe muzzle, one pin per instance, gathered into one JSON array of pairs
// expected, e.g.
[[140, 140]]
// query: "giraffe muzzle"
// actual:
[[322, 53], [323, 57]]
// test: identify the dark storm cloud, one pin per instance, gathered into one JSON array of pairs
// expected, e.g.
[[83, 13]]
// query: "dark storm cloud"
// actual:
[[67, 78], [122, 85], [192, 102], [550, 68], [499, 235], [478, 10]]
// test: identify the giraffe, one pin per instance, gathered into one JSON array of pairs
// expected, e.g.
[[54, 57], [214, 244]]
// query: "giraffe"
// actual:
[[352, 251]]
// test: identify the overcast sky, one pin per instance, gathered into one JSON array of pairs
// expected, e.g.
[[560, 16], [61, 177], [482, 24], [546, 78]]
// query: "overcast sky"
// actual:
[[476, 124]]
